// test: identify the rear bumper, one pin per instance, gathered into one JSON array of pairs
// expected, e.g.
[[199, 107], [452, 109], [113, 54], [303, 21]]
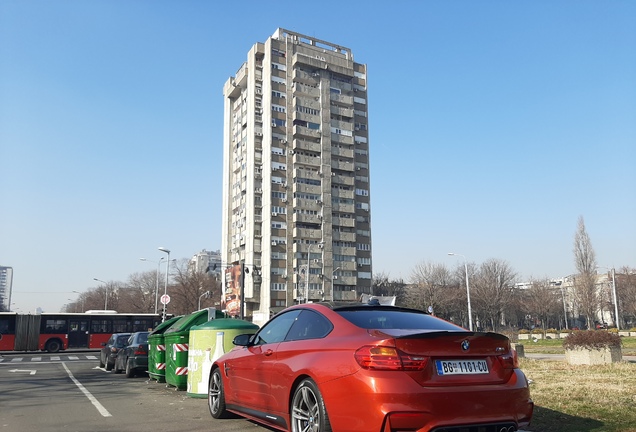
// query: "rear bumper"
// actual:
[[140, 363], [386, 402]]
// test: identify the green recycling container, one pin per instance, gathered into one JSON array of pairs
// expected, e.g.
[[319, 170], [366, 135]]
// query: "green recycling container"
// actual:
[[176, 339], [157, 350], [208, 342]]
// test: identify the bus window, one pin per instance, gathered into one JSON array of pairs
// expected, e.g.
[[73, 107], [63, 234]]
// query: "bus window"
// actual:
[[54, 326], [142, 325], [120, 326], [5, 327], [100, 326]]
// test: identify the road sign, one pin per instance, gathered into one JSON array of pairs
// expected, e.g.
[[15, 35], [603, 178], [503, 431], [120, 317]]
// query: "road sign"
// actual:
[[165, 299]]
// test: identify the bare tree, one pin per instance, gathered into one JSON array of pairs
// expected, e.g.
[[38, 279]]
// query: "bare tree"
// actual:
[[383, 286], [542, 302], [189, 287], [626, 292], [493, 291], [434, 285], [585, 281]]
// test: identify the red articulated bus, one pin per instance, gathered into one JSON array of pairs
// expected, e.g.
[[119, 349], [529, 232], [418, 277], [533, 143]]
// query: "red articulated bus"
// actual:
[[53, 332]]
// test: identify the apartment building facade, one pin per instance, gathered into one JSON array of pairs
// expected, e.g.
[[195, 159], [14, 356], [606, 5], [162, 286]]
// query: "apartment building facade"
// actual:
[[296, 195]]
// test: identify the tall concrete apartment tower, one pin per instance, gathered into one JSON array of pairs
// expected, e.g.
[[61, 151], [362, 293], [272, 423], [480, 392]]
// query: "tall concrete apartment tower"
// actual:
[[296, 198]]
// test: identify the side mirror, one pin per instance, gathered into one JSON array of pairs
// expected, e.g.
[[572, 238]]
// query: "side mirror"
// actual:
[[242, 340]]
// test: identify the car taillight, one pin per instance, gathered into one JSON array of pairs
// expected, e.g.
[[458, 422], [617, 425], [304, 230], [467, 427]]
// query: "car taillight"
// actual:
[[141, 351], [510, 360], [388, 358]]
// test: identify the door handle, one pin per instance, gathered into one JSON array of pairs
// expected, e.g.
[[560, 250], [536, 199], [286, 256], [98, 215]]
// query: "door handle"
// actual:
[[269, 352]]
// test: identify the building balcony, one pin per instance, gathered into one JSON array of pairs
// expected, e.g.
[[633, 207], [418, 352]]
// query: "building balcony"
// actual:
[[307, 160], [307, 204], [347, 152], [301, 131], [342, 111], [300, 144], [308, 233], [342, 165], [344, 295], [341, 250], [343, 180], [344, 208], [343, 139], [344, 222], [342, 99], [344, 236], [305, 188], [306, 78]]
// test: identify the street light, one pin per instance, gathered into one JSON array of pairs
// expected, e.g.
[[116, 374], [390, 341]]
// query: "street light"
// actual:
[[80, 298], [333, 276], [206, 295], [165, 289], [309, 268], [470, 312], [156, 281], [618, 327], [106, 296]]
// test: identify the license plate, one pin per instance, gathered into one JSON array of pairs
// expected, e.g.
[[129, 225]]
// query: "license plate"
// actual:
[[461, 367]]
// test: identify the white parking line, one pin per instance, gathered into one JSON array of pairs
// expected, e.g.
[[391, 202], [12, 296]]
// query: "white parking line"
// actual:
[[103, 411], [55, 358], [73, 358], [16, 359], [36, 359]]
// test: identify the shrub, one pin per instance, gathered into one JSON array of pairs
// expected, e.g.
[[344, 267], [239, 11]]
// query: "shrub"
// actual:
[[633, 329], [568, 331], [613, 330], [551, 330], [591, 340], [537, 331], [524, 331]]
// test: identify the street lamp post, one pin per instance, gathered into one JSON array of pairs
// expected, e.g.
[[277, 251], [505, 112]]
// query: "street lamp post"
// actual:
[[106, 296], [308, 270], [156, 281], [165, 288], [470, 312], [333, 276], [80, 298], [618, 326]]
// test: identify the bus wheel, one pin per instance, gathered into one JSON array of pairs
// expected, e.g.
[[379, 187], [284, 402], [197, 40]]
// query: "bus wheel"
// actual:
[[53, 346]]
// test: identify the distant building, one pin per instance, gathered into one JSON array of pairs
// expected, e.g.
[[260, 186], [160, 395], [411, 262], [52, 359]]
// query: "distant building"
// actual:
[[296, 194], [206, 262], [6, 287]]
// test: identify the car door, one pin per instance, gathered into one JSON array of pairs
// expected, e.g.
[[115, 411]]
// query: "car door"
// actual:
[[249, 372]]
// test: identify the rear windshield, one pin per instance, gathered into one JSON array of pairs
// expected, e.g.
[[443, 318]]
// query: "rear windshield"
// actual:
[[396, 319], [143, 337], [122, 340]]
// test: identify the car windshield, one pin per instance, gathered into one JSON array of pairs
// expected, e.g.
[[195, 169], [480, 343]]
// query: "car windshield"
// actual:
[[395, 319]]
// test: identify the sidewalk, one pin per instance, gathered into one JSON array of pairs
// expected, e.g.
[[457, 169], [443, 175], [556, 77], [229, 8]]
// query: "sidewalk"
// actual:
[[561, 357]]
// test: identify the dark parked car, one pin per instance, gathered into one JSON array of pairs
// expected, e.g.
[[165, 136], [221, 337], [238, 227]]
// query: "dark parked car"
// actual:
[[110, 349], [329, 366], [133, 358]]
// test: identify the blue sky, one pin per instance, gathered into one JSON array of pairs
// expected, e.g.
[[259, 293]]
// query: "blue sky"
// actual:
[[493, 126]]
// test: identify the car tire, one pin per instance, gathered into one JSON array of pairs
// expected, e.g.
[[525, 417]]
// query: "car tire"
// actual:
[[308, 411], [130, 371], [109, 366], [101, 362], [216, 396]]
